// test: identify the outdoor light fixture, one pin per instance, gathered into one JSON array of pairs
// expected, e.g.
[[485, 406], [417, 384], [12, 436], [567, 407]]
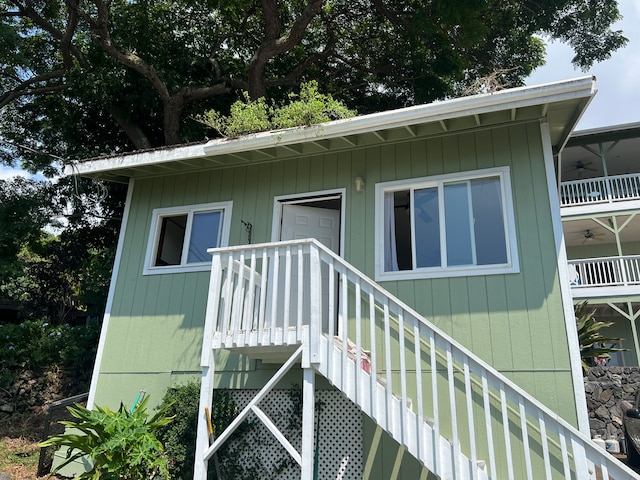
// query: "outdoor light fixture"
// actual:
[[359, 182]]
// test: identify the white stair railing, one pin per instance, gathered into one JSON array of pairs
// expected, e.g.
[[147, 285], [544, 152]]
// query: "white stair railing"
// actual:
[[455, 413], [614, 188]]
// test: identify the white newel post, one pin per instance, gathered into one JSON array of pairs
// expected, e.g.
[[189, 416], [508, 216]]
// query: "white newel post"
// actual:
[[308, 420], [207, 363], [315, 307], [202, 438]]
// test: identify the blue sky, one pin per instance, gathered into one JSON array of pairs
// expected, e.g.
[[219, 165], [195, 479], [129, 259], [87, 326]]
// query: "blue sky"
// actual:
[[618, 79]]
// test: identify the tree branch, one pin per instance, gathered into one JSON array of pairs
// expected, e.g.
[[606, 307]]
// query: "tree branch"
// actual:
[[65, 39], [276, 44], [24, 88], [100, 34]]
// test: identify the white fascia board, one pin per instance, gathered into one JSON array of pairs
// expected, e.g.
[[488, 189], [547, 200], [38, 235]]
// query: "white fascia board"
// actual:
[[133, 160], [520, 97]]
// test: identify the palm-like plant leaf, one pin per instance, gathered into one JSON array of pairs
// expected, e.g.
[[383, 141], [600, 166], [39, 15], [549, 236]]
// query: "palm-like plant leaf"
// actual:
[[592, 342]]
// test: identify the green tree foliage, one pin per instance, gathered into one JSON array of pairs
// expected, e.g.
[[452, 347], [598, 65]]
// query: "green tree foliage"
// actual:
[[81, 78], [121, 444], [310, 107], [54, 276], [26, 207], [591, 340]]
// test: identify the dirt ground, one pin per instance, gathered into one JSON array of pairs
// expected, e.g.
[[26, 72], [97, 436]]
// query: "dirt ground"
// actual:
[[23, 414]]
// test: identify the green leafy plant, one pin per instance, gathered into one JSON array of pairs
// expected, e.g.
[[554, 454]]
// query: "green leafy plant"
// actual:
[[592, 341], [309, 108], [121, 444], [179, 437], [247, 116]]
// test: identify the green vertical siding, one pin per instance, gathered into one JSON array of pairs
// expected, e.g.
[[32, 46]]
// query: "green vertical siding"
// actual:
[[513, 321]]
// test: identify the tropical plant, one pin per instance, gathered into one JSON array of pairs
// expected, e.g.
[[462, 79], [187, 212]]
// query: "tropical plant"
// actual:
[[121, 444], [592, 342]]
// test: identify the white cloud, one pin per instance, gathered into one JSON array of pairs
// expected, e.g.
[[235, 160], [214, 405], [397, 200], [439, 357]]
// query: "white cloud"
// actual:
[[617, 78]]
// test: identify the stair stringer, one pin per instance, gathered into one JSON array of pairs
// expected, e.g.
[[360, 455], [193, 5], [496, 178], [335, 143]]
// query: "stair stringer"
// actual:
[[438, 455]]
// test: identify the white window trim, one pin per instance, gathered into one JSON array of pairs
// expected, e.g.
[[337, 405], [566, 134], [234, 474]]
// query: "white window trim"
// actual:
[[189, 210], [512, 265]]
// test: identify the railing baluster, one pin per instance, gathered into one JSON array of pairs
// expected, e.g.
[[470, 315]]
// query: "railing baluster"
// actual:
[[263, 296], [344, 326], [454, 414], [387, 368], [545, 445], [249, 308], [274, 295], [437, 458], [525, 438], [287, 295], [300, 256], [228, 299], [472, 426], [565, 454], [417, 351], [332, 315], [507, 432], [403, 377], [238, 300], [373, 356], [488, 423]]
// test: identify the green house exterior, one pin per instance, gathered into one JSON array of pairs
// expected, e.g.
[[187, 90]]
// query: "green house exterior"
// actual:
[[517, 319], [600, 203]]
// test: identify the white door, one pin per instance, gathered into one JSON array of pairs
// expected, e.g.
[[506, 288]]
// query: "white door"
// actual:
[[301, 221]]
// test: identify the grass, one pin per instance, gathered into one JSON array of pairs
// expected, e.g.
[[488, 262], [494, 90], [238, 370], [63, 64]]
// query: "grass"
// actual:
[[19, 458]]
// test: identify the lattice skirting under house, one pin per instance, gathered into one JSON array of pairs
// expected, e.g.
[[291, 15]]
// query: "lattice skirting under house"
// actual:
[[338, 442]]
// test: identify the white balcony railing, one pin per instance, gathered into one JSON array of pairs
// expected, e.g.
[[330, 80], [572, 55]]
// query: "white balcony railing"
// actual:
[[616, 188], [435, 395], [605, 272]]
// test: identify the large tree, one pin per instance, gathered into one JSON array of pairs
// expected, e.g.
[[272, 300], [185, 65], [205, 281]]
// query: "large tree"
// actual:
[[84, 77]]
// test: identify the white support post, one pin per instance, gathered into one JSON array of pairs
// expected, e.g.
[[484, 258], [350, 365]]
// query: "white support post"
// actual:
[[315, 304], [308, 421], [202, 438]]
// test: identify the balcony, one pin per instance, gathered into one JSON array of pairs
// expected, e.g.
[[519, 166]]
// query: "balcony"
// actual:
[[600, 190], [607, 276]]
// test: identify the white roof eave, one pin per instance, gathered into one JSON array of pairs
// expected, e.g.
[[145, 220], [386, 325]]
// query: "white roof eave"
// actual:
[[583, 87]]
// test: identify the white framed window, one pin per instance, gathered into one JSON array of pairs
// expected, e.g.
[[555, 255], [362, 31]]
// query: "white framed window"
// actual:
[[446, 226], [180, 236]]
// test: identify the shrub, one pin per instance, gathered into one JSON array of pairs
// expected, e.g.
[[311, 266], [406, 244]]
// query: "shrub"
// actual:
[[121, 444], [36, 345], [179, 437], [310, 107]]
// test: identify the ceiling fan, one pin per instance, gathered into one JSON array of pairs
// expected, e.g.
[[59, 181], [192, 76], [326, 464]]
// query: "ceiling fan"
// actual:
[[589, 236], [580, 167]]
